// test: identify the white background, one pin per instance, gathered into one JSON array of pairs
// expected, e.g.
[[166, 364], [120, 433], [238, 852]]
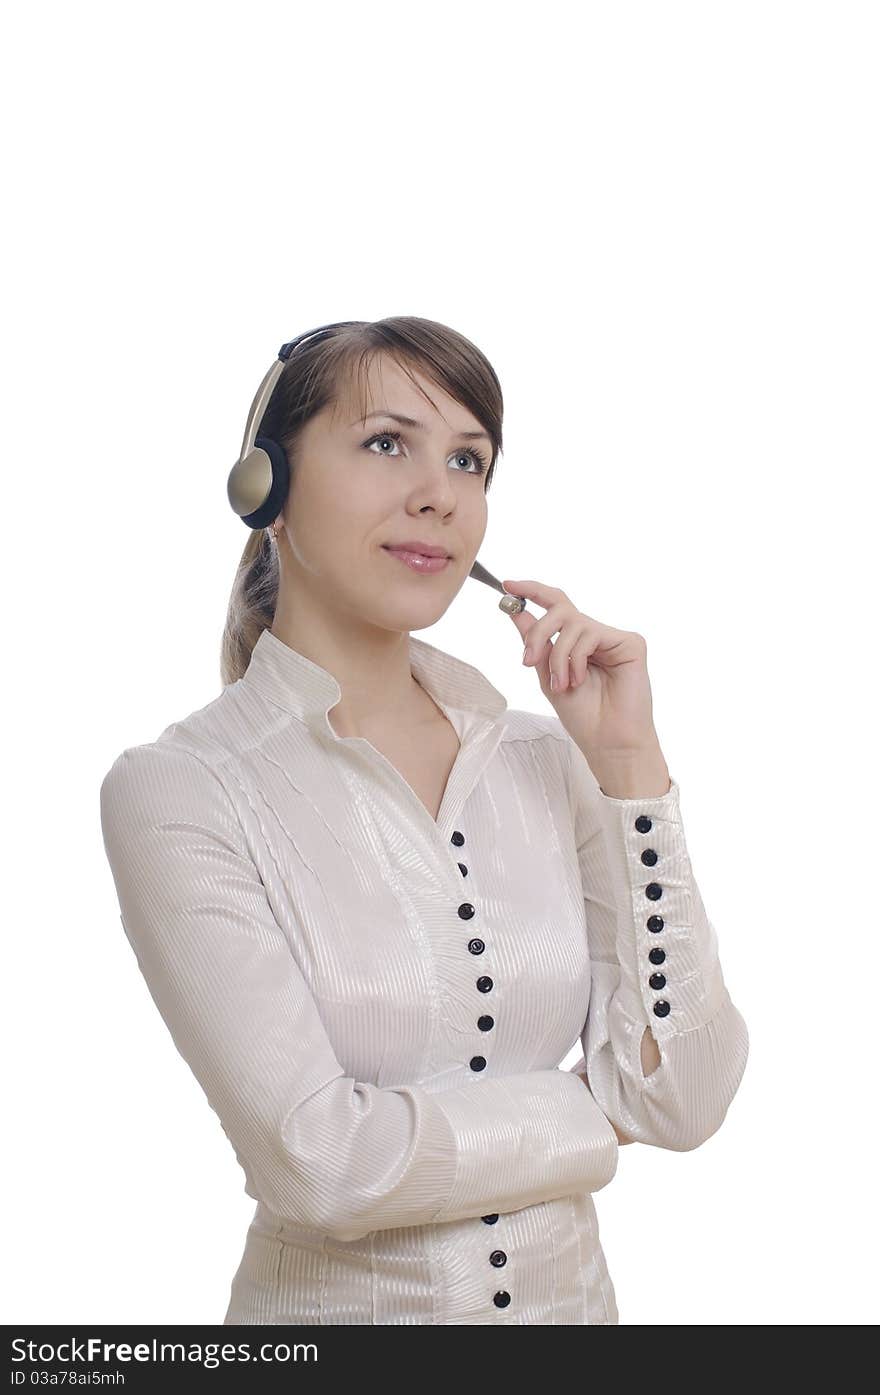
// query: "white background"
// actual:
[[660, 223]]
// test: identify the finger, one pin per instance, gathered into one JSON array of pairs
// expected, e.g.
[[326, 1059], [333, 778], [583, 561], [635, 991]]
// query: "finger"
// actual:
[[578, 661], [580, 652], [553, 662], [561, 657], [535, 591], [524, 622], [546, 628]]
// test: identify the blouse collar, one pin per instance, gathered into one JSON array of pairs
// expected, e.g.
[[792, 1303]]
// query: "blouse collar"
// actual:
[[302, 687]]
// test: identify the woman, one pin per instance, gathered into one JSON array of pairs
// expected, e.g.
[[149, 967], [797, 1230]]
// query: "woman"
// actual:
[[376, 907]]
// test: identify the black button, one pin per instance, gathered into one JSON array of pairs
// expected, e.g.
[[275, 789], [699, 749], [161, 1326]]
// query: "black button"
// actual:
[[644, 824], [476, 946], [486, 1023], [458, 839], [498, 1258], [466, 910], [661, 1009], [501, 1299], [657, 956], [657, 980], [462, 869], [490, 1220], [478, 1063], [484, 983], [655, 923], [653, 891], [649, 857]]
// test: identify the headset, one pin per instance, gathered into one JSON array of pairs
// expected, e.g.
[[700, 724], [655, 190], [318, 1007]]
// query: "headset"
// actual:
[[259, 480]]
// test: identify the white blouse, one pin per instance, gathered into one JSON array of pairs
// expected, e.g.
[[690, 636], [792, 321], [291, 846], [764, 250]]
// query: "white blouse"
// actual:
[[375, 1003]]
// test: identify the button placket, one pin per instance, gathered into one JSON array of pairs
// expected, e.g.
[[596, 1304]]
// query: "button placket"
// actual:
[[485, 1022], [653, 891]]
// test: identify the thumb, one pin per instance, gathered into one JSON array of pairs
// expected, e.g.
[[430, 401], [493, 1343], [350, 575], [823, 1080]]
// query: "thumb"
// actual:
[[520, 618], [523, 622]]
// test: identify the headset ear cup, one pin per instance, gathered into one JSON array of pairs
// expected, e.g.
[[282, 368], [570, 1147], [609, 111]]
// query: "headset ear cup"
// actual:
[[260, 483]]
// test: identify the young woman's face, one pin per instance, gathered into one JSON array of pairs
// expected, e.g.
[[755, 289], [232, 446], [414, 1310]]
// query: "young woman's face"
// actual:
[[356, 488]]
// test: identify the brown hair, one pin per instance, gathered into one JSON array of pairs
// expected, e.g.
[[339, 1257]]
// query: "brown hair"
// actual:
[[316, 376]]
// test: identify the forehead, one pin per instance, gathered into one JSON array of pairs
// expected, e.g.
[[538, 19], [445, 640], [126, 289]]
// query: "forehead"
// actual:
[[383, 385]]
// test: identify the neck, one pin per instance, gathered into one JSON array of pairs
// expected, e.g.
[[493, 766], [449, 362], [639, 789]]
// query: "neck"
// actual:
[[371, 664]]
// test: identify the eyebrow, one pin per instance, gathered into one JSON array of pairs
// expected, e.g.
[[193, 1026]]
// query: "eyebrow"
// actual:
[[417, 425]]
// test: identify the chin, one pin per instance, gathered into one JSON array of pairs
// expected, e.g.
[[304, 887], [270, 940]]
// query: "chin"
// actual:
[[398, 612]]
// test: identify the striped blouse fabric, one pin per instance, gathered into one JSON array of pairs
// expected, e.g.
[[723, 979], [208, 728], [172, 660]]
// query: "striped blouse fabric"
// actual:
[[376, 1003]]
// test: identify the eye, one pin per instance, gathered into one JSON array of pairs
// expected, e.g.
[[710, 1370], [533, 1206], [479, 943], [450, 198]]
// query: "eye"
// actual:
[[476, 458]]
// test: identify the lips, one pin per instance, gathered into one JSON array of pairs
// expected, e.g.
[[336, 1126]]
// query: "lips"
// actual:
[[425, 549], [417, 561]]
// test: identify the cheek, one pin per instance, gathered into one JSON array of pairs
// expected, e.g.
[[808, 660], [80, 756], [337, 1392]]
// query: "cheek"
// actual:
[[336, 503], [475, 515], [336, 530]]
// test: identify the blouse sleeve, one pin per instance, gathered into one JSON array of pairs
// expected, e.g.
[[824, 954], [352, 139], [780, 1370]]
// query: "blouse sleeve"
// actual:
[[317, 1147], [654, 964]]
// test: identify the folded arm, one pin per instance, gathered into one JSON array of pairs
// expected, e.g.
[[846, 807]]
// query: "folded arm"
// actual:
[[317, 1147]]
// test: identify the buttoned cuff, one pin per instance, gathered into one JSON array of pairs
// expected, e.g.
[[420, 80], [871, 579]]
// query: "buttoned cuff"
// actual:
[[670, 974]]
